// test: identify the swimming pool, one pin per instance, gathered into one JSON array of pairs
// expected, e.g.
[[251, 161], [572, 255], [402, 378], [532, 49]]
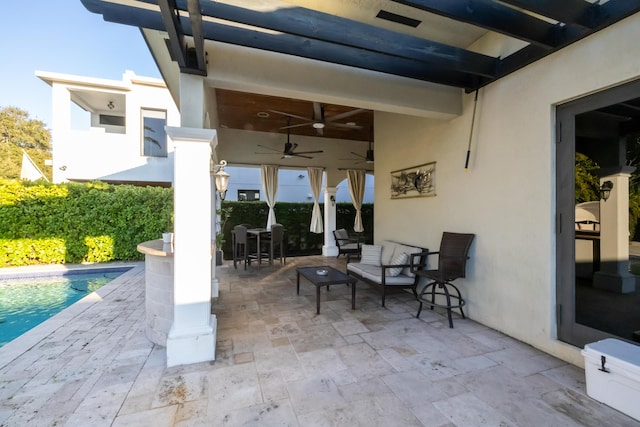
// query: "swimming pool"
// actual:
[[25, 302]]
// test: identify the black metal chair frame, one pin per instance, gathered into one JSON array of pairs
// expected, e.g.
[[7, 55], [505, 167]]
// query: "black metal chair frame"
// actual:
[[340, 241], [452, 261]]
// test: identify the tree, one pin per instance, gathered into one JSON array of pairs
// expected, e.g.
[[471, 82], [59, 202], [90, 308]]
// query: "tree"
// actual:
[[587, 181], [17, 132]]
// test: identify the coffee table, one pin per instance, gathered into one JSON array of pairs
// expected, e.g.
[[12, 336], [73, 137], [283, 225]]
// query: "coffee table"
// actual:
[[333, 277]]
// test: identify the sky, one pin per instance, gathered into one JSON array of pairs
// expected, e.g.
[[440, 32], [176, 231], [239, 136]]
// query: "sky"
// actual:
[[62, 36]]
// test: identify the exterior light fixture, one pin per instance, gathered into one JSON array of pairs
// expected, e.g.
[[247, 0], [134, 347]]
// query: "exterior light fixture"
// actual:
[[111, 105], [332, 198], [605, 190], [221, 178]]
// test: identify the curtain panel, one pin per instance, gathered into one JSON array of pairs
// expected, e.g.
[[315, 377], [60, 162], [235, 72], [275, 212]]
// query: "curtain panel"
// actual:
[[315, 182], [356, 180], [269, 175]]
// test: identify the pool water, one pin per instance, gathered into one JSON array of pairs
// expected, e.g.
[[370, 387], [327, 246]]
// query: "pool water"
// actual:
[[28, 301]]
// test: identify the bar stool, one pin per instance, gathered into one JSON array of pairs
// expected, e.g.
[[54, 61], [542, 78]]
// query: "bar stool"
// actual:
[[240, 245], [276, 238]]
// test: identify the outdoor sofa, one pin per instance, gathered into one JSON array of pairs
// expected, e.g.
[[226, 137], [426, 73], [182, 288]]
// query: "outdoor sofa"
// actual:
[[389, 264]]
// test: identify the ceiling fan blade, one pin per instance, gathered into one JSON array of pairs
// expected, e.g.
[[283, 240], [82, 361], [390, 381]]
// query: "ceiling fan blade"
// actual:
[[309, 152], [345, 114], [300, 155], [289, 115], [255, 152], [343, 125], [269, 148], [359, 155], [297, 126]]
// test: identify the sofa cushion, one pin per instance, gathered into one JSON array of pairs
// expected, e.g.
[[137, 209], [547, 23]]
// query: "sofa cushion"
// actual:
[[398, 259], [341, 234], [410, 250], [374, 274], [388, 249], [371, 255], [347, 246]]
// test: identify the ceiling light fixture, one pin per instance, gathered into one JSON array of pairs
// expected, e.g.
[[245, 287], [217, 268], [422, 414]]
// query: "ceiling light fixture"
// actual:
[[318, 125]]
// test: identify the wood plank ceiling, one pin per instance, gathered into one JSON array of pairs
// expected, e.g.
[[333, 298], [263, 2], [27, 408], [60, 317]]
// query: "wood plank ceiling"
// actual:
[[417, 39]]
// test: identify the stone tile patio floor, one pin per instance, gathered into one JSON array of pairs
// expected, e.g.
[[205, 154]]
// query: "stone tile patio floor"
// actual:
[[279, 364]]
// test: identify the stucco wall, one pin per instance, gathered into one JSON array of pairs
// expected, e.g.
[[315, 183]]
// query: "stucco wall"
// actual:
[[96, 154], [507, 195]]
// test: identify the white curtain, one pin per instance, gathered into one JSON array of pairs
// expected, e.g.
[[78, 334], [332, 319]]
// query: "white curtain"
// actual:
[[356, 190], [269, 174], [315, 181]]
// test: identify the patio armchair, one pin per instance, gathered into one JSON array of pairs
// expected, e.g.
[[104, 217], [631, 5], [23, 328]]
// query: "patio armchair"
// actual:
[[346, 245], [452, 261]]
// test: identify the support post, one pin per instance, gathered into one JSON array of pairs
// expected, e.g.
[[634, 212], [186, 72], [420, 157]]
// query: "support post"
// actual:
[[329, 248], [192, 336], [614, 272]]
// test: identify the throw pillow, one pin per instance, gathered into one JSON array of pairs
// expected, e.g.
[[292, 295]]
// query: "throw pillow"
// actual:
[[399, 259], [371, 255], [407, 270]]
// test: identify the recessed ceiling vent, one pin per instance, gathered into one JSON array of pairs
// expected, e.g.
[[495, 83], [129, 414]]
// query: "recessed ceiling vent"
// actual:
[[398, 19]]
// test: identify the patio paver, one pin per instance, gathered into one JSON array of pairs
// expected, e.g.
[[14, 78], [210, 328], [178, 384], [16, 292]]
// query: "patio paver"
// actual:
[[278, 363]]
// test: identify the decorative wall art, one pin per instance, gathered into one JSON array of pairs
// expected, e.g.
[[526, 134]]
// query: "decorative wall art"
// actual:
[[416, 181]]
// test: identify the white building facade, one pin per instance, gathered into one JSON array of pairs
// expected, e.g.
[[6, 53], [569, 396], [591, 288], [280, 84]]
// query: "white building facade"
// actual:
[[125, 141]]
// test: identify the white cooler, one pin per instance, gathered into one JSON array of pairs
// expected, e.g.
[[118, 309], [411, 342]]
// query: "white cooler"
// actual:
[[612, 369]]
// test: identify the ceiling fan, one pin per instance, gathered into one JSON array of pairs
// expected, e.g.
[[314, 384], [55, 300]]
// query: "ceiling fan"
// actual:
[[368, 157], [289, 150], [319, 121]]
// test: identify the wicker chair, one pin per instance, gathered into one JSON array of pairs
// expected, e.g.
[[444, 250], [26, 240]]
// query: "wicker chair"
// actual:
[[240, 246], [346, 245], [452, 261]]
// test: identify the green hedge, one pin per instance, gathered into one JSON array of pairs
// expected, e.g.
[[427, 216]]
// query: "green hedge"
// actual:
[[296, 219], [43, 223], [95, 222]]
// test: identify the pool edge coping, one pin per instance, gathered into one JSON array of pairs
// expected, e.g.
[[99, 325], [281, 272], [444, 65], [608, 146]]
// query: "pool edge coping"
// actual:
[[13, 349]]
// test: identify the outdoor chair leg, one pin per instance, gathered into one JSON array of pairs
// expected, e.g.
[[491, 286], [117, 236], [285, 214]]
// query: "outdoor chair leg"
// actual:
[[448, 298]]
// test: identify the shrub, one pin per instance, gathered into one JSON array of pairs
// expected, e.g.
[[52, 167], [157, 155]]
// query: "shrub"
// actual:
[[296, 219], [94, 222]]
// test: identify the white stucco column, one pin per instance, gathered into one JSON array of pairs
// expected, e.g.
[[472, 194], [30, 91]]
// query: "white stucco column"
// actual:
[[329, 248], [614, 237], [60, 128], [191, 101], [192, 336], [215, 223]]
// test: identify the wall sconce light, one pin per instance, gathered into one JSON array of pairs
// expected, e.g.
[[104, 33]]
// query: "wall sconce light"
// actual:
[[111, 105], [605, 190], [221, 178], [332, 198]]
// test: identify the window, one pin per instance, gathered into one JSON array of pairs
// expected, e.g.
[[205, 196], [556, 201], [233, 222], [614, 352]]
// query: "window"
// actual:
[[248, 195], [111, 120], [154, 137]]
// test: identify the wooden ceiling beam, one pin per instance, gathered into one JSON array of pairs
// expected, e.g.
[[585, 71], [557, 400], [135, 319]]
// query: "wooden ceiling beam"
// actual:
[[492, 16], [311, 34], [195, 21], [334, 29], [578, 12], [172, 26]]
